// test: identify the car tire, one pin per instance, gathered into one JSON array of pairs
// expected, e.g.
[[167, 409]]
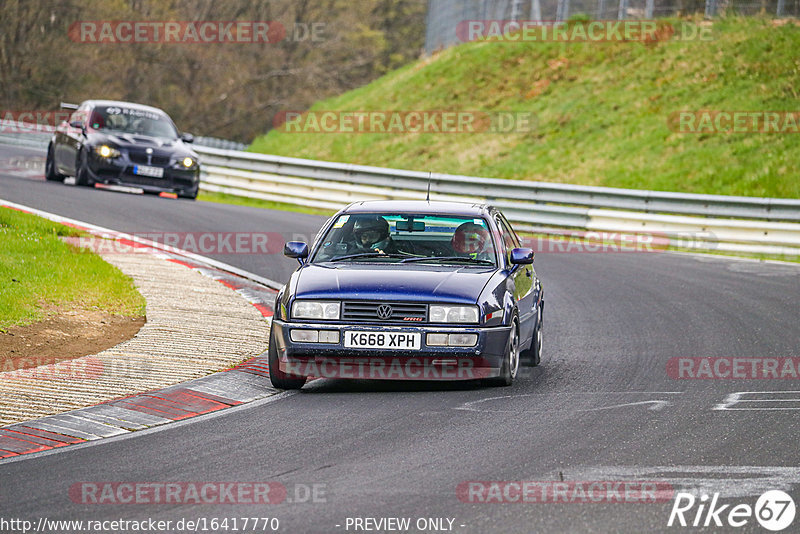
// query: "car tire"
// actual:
[[50, 172], [82, 176], [532, 357], [278, 378], [508, 371]]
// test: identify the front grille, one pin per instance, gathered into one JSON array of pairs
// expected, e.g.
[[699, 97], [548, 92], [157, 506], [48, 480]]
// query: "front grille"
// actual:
[[144, 159], [402, 312], [135, 179]]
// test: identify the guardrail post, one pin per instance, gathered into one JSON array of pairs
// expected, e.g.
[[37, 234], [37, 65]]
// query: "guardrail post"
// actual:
[[601, 10], [622, 14], [536, 11], [562, 12], [648, 9]]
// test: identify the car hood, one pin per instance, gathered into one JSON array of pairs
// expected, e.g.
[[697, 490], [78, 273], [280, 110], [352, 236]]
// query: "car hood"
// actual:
[[418, 283], [126, 140]]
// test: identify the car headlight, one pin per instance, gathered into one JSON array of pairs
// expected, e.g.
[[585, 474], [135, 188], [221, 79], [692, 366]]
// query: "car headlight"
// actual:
[[188, 162], [315, 309], [453, 314], [105, 151]]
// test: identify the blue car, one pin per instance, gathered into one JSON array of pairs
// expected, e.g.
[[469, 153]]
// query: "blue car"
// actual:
[[408, 290]]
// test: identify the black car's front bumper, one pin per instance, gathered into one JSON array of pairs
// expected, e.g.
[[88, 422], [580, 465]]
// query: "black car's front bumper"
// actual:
[[334, 360], [120, 171]]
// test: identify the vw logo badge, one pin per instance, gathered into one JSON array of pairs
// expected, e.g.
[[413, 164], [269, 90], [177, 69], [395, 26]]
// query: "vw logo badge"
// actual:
[[384, 311]]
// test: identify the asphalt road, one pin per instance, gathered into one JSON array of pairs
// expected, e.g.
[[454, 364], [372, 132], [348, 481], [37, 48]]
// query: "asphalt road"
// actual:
[[603, 406]]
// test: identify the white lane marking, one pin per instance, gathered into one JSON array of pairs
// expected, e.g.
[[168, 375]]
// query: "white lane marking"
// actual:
[[729, 481], [476, 405], [656, 405], [742, 398]]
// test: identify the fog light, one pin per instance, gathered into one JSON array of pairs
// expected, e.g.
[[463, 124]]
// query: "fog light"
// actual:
[[436, 340], [463, 340], [305, 336], [329, 336]]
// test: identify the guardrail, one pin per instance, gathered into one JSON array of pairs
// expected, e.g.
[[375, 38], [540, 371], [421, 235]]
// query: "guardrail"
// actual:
[[30, 135], [703, 222], [706, 222]]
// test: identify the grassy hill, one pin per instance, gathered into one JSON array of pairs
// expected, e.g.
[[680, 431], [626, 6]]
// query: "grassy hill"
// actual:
[[601, 111]]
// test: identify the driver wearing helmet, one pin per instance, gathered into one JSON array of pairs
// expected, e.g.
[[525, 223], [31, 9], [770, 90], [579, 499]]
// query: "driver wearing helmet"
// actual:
[[472, 240], [372, 235]]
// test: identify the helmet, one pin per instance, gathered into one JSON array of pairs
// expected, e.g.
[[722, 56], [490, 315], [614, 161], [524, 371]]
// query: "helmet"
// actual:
[[470, 238], [370, 231]]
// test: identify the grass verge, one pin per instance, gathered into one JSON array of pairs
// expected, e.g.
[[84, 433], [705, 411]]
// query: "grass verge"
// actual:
[[603, 113], [38, 269]]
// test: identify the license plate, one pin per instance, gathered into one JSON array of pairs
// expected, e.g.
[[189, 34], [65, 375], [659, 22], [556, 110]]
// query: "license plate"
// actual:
[[144, 170], [383, 340]]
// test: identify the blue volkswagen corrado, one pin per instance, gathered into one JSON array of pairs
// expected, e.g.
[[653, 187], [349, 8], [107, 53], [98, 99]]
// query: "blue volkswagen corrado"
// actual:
[[411, 290]]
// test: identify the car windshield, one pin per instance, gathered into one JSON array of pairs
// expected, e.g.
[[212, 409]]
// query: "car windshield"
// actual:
[[407, 238], [132, 121]]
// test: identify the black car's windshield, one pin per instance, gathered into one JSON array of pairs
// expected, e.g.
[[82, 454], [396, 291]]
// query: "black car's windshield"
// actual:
[[407, 238], [118, 119]]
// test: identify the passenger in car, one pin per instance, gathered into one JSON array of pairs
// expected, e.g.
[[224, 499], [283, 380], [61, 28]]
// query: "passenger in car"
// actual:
[[471, 240]]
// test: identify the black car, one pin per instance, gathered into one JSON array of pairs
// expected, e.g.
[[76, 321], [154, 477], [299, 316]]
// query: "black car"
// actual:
[[123, 144], [410, 290]]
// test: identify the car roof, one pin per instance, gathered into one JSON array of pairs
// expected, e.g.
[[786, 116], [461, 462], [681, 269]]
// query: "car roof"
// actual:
[[120, 103], [420, 207]]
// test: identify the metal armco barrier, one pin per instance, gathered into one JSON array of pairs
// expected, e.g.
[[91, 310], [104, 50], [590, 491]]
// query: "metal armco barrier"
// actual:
[[702, 222], [705, 222]]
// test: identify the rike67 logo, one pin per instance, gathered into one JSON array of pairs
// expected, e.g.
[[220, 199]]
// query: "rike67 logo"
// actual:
[[774, 510]]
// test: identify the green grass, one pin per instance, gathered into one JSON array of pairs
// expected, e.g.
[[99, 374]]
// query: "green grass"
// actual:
[[601, 112], [223, 198], [38, 269]]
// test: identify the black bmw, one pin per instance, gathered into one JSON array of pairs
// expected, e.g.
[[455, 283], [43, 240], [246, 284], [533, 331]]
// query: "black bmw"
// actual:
[[115, 143]]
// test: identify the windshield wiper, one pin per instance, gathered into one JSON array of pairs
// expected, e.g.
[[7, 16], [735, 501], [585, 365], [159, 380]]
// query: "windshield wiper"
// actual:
[[465, 259], [367, 255]]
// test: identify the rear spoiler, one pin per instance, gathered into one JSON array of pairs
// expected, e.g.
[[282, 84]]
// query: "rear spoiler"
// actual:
[[66, 105]]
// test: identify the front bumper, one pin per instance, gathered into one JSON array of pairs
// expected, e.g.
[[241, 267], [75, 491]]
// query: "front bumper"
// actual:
[[120, 171], [334, 360]]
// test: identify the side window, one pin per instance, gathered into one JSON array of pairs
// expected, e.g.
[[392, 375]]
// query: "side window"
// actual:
[[79, 114], [507, 229], [510, 240]]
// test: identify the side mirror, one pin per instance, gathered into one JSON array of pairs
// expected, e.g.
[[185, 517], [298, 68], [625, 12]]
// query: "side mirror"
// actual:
[[296, 249], [187, 137], [78, 125], [522, 256]]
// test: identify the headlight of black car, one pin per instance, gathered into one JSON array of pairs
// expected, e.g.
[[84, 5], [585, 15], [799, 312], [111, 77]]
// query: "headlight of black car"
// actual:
[[106, 151], [187, 163]]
